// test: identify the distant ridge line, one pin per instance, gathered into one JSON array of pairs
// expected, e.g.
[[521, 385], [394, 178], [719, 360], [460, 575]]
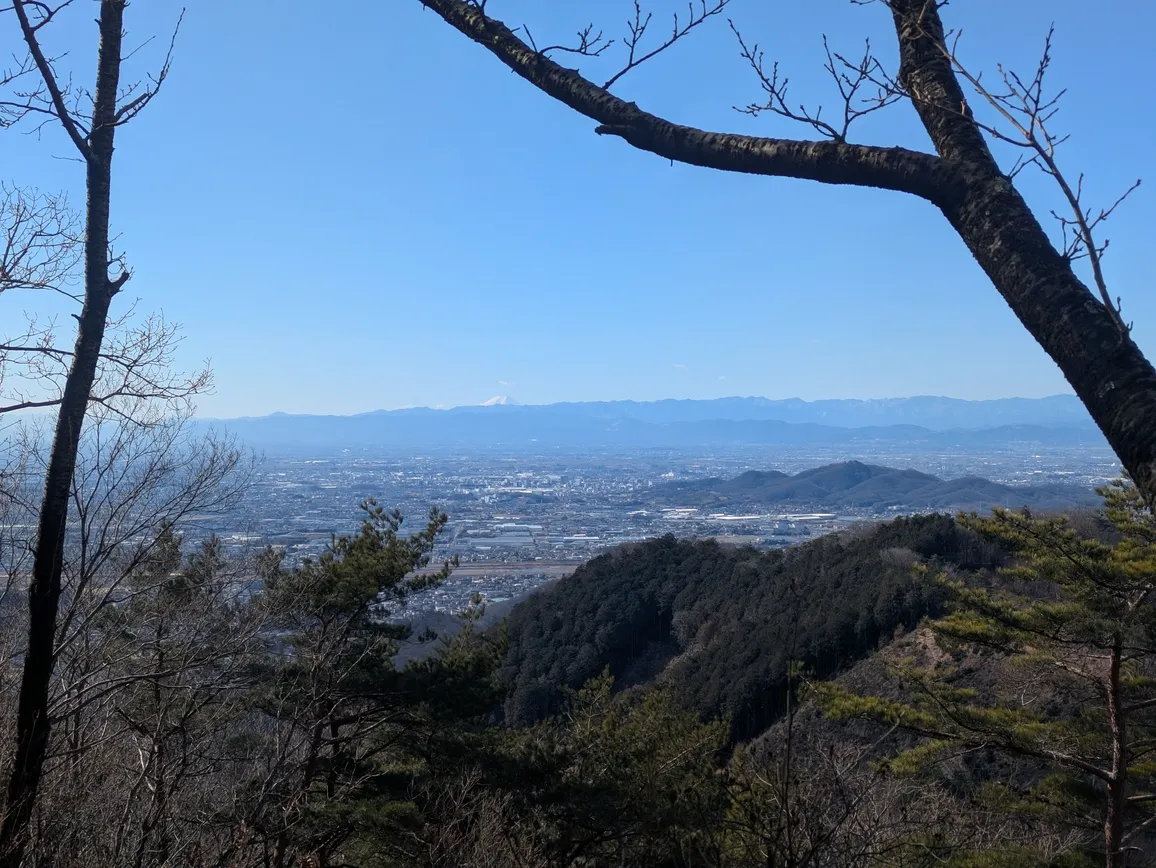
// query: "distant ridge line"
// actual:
[[1057, 408], [862, 485], [930, 422]]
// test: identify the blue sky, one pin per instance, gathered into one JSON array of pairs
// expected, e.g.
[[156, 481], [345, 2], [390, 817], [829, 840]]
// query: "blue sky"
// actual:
[[358, 208]]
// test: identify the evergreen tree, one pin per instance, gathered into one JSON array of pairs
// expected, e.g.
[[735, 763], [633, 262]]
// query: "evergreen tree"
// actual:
[[619, 779], [348, 733], [1072, 633]]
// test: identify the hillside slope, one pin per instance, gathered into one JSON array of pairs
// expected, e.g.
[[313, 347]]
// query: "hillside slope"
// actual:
[[720, 625], [855, 484]]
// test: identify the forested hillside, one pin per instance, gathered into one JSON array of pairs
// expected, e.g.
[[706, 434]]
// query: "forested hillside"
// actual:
[[856, 484], [720, 625]]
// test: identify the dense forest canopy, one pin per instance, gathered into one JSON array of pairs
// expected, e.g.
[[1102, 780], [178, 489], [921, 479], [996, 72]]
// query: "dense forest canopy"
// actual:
[[722, 624]]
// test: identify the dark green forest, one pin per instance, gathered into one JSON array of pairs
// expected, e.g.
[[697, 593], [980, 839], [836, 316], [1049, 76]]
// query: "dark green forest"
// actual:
[[724, 624]]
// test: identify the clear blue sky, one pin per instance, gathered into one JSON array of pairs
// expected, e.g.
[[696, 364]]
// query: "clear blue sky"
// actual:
[[349, 206]]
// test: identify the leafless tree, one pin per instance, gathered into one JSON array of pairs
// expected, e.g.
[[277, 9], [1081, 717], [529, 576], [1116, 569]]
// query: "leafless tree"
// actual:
[[40, 252], [469, 823], [136, 363], [142, 473], [146, 744], [831, 804], [39, 93], [41, 240], [1082, 330]]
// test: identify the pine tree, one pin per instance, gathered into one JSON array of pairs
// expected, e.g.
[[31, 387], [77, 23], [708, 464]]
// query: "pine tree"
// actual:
[[349, 734], [624, 778], [1070, 633]]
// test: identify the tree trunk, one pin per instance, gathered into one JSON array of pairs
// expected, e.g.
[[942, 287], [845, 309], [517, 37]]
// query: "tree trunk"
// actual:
[[1104, 366], [32, 724], [1102, 363], [1118, 784], [1115, 856]]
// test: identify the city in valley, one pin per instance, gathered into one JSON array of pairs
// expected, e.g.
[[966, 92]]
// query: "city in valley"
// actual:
[[517, 521]]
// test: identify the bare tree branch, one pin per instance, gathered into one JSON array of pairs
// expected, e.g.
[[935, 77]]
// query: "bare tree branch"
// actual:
[[130, 109], [48, 74], [1069, 320], [1027, 108], [41, 240], [136, 362], [590, 44], [637, 30], [850, 78], [830, 162]]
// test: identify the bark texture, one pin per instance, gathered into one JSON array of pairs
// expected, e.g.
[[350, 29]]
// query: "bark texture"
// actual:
[[32, 722], [1101, 362], [1114, 856]]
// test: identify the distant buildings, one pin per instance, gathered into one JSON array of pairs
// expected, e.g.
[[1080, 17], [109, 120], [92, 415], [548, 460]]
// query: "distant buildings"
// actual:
[[517, 521]]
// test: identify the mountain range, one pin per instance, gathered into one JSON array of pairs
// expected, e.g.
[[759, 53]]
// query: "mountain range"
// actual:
[[920, 422], [855, 484], [932, 412]]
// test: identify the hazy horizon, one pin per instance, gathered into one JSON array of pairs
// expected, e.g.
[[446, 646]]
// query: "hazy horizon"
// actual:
[[512, 401]]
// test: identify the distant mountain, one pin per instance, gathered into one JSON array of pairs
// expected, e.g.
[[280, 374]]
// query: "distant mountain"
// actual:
[[928, 423], [855, 484], [935, 413]]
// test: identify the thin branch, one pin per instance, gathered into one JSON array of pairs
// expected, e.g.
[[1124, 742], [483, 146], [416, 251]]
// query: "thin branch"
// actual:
[[900, 169], [590, 44], [131, 109], [850, 78], [638, 25], [50, 82], [1027, 109]]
